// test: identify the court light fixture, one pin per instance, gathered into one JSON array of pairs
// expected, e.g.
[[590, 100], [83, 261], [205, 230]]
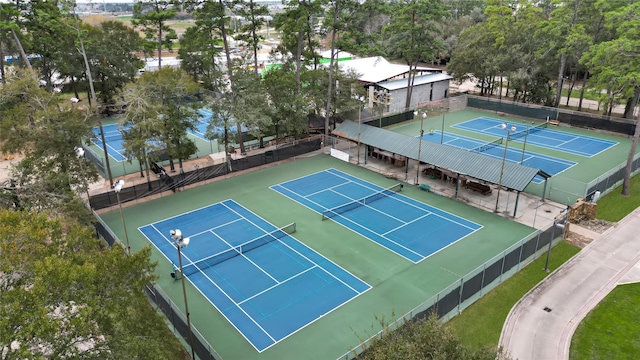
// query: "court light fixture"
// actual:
[[511, 129], [80, 154], [181, 242], [117, 187], [360, 100]]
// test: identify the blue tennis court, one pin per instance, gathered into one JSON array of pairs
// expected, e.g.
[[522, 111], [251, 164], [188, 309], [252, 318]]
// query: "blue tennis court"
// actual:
[[204, 118], [541, 136], [264, 281], [549, 164], [113, 135], [409, 228], [113, 138]]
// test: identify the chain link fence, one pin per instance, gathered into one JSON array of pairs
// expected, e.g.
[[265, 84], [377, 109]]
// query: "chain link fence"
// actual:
[[462, 293], [574, 118], [388, 119], [200, 175], [611, 179], [443, 106], [201, 347]]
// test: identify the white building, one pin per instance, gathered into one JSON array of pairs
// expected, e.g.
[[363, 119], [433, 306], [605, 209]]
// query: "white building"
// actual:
[[387, 83]]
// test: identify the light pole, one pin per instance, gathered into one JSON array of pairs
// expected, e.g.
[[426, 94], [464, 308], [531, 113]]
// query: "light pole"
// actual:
[[379, 95], [360, 100], [561, 225], [80, 154], [442, 129], [117, 187], [524, 145], [504, 159], [422, 117], [180, 242]]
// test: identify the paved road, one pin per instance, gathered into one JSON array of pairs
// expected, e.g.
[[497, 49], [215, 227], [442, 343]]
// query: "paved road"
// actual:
[[570, 292]]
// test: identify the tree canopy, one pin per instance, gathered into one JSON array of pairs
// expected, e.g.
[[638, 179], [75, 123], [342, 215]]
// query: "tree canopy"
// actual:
[[64, 296], [420, 339]]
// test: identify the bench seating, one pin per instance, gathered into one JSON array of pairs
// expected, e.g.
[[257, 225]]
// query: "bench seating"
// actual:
[[476, 186], [434, 173], [554, 122]]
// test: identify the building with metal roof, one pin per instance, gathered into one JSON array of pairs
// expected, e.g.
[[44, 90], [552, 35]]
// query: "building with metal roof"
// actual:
[[386, 83], [426, 87], [459, 163], [376, 69]]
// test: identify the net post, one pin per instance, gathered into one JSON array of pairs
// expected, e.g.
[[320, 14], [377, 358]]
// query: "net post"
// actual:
[[194, 266], [362, 201]]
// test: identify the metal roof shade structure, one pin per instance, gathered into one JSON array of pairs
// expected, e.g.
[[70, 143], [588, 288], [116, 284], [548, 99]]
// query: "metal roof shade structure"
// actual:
[[419, 80], [463, 162]]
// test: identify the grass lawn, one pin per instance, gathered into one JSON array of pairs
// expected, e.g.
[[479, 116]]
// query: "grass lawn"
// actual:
[[610, 331], [614, 206], [610, 328], [479, 326]]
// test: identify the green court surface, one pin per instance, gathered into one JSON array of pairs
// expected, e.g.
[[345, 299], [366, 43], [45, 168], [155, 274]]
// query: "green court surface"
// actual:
[[398, 284], [564, 188]]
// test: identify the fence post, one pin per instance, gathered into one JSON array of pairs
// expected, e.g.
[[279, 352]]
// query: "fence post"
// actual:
[[460, 298], [504, 255], [484, 270]]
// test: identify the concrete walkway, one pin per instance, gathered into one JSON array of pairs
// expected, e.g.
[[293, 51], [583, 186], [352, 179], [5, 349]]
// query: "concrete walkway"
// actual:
[[542, 323]]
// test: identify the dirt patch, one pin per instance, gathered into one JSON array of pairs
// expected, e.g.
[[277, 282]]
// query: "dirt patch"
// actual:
[[578, 240], [597, 225], [6, 162]]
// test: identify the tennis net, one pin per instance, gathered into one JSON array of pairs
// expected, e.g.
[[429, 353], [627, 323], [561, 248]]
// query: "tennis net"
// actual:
[[214, 259], [341, 209], [531, 130], [487, 146]]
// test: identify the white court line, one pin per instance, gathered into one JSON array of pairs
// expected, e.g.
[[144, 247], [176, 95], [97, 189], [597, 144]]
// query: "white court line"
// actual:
[[359, 225], [216, 227], [224, 293], [304, 256], [301, 177], [532, 155], [206, 296], [231, 247], [326, 189], [566, 142], [397, 196], [400, 197], [115, 151], [527, 158], [407, 223], [279, 283], [352, 201], [545, 144]]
